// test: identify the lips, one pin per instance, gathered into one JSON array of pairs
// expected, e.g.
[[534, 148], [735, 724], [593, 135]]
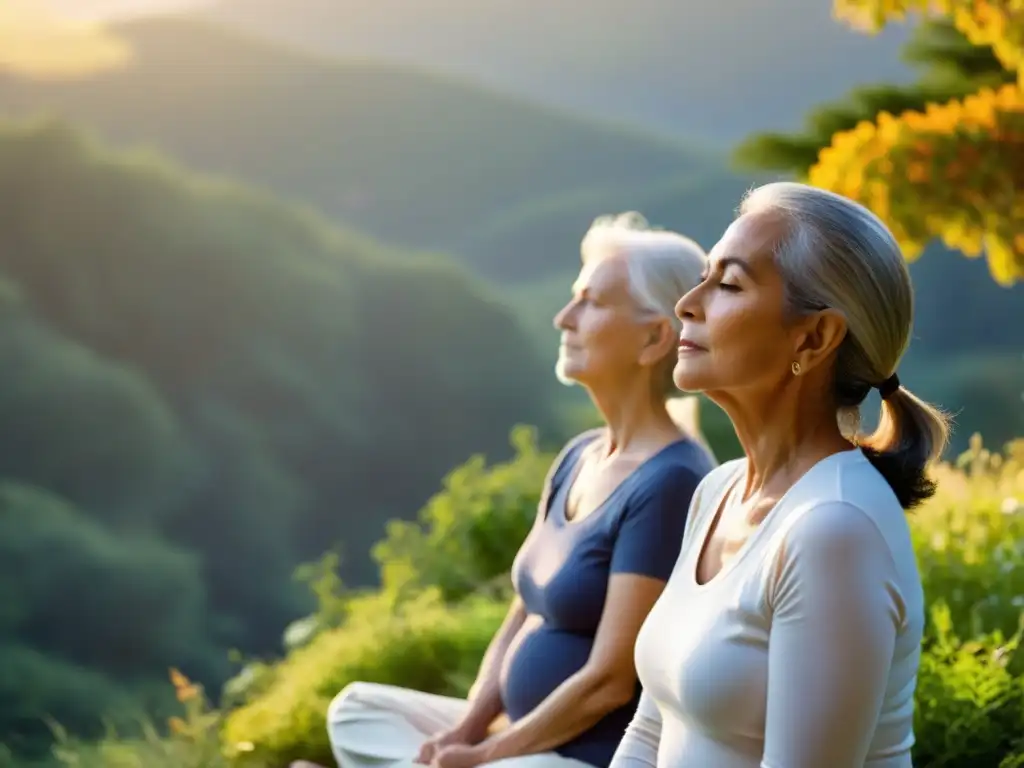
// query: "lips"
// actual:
[[685, 345]]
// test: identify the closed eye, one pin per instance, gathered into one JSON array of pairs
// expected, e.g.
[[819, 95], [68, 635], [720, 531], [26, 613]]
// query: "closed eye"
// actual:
[[724, 286]]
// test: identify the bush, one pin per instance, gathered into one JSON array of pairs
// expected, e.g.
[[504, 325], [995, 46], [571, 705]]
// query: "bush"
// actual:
[[468, 533], [195, 740], [970, 696], [970, 702], [423, 644], [970, 539], [970, 545]]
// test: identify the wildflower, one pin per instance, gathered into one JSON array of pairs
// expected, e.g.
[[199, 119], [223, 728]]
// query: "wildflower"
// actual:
[[184, 688]]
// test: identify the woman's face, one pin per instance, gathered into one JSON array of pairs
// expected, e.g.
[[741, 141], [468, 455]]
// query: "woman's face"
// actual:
[[604, 341], [736, 334]]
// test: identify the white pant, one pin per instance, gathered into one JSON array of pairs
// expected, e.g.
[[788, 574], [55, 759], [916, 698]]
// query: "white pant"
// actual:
[[383, 726]]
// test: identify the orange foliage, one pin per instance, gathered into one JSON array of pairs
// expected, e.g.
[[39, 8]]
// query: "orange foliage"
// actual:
[[953, 171], [997, 23]]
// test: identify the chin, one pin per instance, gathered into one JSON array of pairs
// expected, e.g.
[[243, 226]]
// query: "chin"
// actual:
[[688, 379], [565, 374]]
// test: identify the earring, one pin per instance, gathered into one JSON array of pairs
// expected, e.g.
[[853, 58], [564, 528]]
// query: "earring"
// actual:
[[795, 367]]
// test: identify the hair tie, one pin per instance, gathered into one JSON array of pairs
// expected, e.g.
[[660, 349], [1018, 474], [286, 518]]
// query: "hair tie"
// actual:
[[890, 385]]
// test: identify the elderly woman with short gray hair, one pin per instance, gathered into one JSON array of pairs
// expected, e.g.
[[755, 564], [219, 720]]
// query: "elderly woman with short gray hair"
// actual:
[[559, 672], [789, 633]]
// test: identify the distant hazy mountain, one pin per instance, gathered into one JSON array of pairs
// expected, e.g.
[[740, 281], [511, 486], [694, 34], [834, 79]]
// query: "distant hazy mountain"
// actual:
[[710, 70], [415, 159]]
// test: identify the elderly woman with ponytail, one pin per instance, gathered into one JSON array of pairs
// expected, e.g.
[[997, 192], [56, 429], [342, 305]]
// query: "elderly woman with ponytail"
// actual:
[[789, 633], [557, 687]]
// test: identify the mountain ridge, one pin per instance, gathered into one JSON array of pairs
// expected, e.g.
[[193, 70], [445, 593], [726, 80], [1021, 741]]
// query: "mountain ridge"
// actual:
[[695, 70], [414, 159]]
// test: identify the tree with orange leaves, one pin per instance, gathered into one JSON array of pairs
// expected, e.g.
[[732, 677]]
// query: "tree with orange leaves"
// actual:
[[948, 169]]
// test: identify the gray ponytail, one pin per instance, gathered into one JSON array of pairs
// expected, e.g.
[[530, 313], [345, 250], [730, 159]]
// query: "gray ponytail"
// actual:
[[838, 254]]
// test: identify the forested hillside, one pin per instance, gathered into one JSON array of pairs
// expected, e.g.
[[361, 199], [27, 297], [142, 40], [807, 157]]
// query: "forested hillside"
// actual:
[[415, 159], [204, 388]]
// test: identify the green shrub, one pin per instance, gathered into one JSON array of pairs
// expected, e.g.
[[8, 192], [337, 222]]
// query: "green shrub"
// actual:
[[969, 699], [970, 539], [468, 533], [970, 544], [423, 644], [444, 592], [195, 740]]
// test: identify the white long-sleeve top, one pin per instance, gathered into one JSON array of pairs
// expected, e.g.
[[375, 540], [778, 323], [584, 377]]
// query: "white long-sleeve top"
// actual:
[[803, 651]]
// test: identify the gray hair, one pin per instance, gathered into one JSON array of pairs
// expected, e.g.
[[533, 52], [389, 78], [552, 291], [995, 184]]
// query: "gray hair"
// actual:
[[837, 254], [662, 266]]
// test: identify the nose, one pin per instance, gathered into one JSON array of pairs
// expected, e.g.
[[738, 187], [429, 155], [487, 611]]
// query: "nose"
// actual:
[[563, 318], [688, 305]]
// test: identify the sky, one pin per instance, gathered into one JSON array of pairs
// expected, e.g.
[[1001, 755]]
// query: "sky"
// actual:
[[92, 10], [54, 39]]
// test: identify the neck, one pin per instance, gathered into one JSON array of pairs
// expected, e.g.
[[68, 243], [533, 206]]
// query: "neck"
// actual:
[[636, 419], [783, 434]]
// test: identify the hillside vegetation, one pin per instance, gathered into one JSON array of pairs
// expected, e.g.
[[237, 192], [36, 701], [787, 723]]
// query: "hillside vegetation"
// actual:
[[415, 159], [203, 389], [444, 593], [504, 186]]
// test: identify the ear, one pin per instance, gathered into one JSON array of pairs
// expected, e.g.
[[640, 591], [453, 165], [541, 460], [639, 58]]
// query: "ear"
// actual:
[[818, 337], [660, 339]]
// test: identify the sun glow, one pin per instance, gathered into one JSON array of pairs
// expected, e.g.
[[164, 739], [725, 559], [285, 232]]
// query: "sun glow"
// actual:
[[61, 39], [105, 10], [37, 42]]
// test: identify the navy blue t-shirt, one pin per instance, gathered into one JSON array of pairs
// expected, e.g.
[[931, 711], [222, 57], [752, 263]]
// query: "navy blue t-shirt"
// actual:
[[562, 570]]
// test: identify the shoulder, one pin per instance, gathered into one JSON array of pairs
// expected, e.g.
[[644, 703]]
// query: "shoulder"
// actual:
[[571, 449], [693, 455], [834, 526], [649, 522], [666, 489], [582, 438], [851, 503], [836, 552], [676, 472], [838, 543], [563, 463], [579, 441]]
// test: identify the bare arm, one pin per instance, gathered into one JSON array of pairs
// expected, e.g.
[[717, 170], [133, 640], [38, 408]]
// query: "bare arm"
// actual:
[[485, 695], [643, 556], [607, 681]]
